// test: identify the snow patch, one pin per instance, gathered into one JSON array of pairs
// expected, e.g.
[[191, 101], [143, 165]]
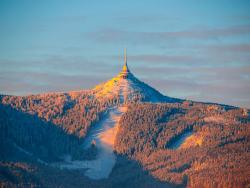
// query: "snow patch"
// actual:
[[130, 88], [103, 134], [177, 144], [187, 140]]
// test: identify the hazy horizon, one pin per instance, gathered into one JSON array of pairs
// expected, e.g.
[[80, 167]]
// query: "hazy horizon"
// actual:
[[193, 50]]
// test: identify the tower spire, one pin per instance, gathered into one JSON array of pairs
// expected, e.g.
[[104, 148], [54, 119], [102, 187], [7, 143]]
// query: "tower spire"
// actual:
[[125, 66], [125, 57], [125, 71]]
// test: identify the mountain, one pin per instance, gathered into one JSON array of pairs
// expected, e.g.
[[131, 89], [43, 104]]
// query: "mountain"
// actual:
[[121, 133], [127, 88], [189, 144]]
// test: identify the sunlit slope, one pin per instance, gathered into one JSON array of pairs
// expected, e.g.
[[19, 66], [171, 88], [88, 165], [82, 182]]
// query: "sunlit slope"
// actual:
[[129, 89], [190, 143], [101, 138]]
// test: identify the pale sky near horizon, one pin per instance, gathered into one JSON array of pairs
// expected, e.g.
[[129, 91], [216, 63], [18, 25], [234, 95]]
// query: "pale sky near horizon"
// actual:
[[198, 50]]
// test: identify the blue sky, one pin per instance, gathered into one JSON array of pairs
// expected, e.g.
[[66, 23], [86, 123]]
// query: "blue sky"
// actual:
[[197, 50]]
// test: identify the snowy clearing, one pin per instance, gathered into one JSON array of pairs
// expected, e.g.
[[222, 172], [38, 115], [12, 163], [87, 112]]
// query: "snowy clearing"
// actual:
[[103, 134]]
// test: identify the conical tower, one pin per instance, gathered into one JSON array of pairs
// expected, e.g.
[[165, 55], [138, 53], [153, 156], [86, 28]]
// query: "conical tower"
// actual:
[[125, 70]]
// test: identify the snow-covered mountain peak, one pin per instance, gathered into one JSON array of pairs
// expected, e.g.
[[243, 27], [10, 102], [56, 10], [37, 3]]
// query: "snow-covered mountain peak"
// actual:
[[127, 88]]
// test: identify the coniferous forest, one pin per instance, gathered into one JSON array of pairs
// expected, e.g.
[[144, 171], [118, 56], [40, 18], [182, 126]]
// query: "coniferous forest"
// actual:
[[38, 130]]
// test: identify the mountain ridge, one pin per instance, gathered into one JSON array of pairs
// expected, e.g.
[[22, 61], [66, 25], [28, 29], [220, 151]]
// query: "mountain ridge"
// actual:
[[47, 127]]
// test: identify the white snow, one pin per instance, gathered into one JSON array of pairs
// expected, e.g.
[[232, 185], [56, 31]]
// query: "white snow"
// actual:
[[187, 140], [178, 143], [104, 134], [127, 88], [130, 88]]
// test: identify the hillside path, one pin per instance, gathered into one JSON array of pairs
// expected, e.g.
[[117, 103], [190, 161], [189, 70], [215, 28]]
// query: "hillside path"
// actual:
[[103, 133]]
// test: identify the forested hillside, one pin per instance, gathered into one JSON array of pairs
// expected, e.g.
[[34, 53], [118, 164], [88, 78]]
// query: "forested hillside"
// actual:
[[157, 145], [48, 125], [216, 154]]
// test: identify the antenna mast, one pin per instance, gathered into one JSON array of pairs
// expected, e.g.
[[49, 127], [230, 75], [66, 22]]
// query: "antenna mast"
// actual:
[[125, 57]]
